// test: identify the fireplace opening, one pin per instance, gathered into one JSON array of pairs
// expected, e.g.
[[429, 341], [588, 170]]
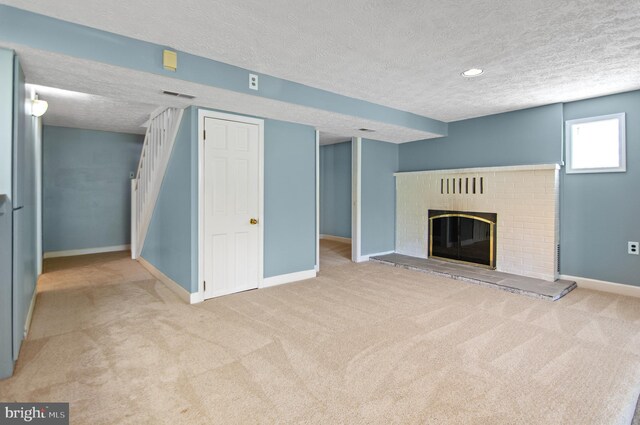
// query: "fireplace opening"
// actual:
[[463, 236]]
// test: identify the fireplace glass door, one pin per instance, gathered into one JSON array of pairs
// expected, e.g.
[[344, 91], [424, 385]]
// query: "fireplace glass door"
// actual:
[[463, 236]]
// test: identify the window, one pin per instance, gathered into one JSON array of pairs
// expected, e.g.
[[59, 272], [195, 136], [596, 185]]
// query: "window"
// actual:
[[596, 145]]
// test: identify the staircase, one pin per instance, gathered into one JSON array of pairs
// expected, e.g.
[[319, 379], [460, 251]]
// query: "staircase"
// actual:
[[156, 151]]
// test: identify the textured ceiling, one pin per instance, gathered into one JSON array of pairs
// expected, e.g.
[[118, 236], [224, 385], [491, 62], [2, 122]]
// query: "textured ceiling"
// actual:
[[119, 92], [407, 55], [81, 110], [330, 139]]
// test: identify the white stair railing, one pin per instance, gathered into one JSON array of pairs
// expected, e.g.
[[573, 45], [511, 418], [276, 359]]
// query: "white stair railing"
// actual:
[[145, 187]]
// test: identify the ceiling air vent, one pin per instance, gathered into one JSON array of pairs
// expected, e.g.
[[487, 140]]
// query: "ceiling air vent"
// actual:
[[182, 95], [366, 130]]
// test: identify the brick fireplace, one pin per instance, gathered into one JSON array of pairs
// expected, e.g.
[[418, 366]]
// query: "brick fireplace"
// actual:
[[524, 199]]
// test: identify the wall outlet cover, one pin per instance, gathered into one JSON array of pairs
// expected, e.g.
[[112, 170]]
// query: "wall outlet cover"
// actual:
[[253, 81], [633, 248]]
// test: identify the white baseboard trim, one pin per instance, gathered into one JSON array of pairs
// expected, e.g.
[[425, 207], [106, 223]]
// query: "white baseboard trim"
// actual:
[[364, 258], [186, 296], [195, 298], [74, 252], [601, 285], [32, 306], [335, 238], [287, 278]]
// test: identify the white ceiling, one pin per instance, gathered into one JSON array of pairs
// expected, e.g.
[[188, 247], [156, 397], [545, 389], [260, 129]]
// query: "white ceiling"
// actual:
[[81, 110], [330, 138], [119, 92], [406, 55]]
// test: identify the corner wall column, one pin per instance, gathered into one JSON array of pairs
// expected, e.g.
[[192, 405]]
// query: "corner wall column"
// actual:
[[356, 206]]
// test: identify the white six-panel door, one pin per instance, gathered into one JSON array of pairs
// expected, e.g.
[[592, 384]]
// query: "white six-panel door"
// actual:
[[231, 207]]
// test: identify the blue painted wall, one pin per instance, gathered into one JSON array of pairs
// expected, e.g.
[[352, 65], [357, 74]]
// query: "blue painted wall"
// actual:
[[599, 212], [289, 204], [18, 265], [169, 238], [289, 198], [378, 214], [529, 136], [6, 223], [6, 120], [89, 43], [335, 189], [24, 220], [86, 190]]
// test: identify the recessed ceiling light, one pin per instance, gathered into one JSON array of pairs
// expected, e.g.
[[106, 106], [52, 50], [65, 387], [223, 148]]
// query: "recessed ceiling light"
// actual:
[[366, 130], [473, 72]]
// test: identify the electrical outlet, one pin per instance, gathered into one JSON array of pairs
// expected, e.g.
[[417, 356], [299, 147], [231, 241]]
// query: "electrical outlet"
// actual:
[[633, 248], [253, 81], [131, 175]]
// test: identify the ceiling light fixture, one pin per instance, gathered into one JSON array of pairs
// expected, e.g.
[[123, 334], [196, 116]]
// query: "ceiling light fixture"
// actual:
[[38, 107], [473, 72]]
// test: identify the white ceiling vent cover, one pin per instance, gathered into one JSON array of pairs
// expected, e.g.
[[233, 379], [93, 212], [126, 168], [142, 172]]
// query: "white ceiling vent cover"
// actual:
[[182, 95]]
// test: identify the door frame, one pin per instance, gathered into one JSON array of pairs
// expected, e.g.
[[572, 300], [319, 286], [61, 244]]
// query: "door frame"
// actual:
[[317, 201], [356, 200], [202, 115]]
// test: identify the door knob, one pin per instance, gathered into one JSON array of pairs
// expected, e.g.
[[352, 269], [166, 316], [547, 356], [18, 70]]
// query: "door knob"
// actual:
[[253, 221]]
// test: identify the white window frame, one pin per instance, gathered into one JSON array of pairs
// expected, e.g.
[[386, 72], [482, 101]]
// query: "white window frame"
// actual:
[[622, 144]]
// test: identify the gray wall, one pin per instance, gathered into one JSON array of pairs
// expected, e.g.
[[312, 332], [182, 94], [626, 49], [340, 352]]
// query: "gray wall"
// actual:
[[600, 212], [289, 198], [379, 162], [529, 136], [6, 119], [18, 265], [25, 264], [289, 204], [6, 136], [169, 238], [86, 190], [335, 189]]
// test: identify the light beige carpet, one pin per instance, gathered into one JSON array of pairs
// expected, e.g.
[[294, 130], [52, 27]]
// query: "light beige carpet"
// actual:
[[364, 343]]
